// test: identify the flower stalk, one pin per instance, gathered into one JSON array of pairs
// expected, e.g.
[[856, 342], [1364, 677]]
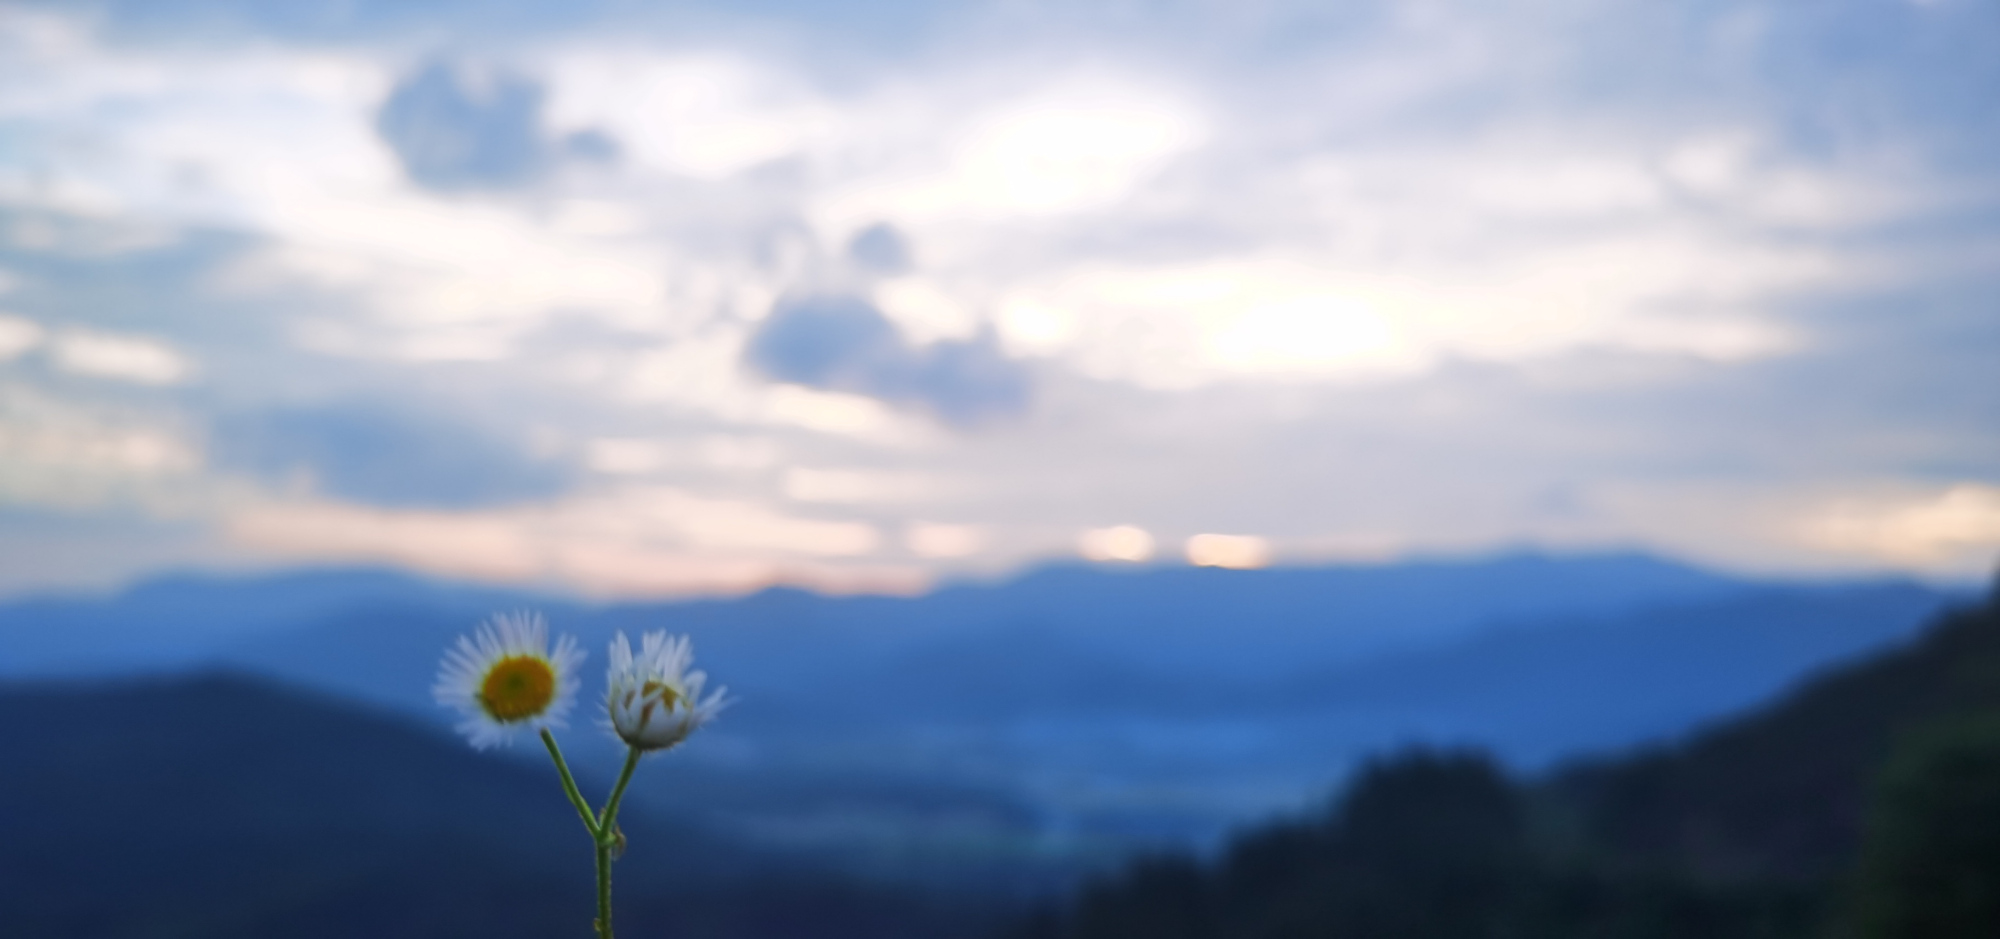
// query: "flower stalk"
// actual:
[[610, 842], [506, 678], [569, 784]]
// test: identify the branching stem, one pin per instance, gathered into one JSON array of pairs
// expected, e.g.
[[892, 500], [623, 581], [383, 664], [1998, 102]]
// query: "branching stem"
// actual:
[[569, 787]]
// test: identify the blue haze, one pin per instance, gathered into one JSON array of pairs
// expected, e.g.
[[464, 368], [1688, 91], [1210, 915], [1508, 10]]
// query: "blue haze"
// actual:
[[1072, 714]]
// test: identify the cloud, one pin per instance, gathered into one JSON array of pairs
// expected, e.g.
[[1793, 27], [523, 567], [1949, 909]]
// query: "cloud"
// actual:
[[385, 455], [1425, 277], [635, 541], [18, 336], [344, 21], [1961, 524], [124, 358], [1117, 543], [457, 127], [83, 456], [1232, 551], [838, 486], [713, 114], [460, 126], [832, 342], [843, 343], [934, 540], [1073, 144], [880, 249]]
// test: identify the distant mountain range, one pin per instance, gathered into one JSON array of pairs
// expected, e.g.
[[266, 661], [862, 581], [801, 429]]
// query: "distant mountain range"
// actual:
[[1024, 730]]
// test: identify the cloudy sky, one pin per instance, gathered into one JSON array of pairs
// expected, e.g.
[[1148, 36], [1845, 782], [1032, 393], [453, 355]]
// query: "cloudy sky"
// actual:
[[654, 299]]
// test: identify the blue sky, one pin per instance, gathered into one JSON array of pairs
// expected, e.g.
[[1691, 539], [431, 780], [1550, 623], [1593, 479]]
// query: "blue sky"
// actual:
[[647, 300]]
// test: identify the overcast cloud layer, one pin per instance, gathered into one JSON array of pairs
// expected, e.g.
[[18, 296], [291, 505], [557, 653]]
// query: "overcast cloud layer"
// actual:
[[704, 298]]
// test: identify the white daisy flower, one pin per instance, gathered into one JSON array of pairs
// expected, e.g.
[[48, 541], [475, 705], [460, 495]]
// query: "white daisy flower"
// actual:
[[655, 702], [504, 678]]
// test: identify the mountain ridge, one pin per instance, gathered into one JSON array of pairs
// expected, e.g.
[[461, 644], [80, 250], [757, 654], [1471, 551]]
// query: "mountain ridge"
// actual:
[[1076, 713]]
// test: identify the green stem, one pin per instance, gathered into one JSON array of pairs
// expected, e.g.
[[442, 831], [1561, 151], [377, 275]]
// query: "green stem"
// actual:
[[607, 838], [618, 793], [603, 890], [569, 788]]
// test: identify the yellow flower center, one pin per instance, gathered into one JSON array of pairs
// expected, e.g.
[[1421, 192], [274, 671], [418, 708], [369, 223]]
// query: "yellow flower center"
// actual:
[[668, 696], [658, 695], [517, 688]]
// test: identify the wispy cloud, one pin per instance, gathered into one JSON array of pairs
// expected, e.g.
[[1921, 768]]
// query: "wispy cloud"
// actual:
[[1428, 275]]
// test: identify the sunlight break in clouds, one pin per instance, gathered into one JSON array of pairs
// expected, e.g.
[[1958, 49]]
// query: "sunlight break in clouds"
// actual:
[[1117, 543], [1960, 523], [1235, 551]]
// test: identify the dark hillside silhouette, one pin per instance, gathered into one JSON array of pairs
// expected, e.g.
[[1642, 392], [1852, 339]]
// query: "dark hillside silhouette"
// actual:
[[1782, 792], [220, 806], [1865, 803], [1930, 857]]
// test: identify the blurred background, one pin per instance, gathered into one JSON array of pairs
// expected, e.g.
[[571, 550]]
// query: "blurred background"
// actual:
[[1389, 468]]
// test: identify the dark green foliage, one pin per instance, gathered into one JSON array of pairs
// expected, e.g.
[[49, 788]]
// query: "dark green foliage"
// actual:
[[1782, 792], [1160, 897], [1930, 866], [1749, 830], [1425, 845]]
